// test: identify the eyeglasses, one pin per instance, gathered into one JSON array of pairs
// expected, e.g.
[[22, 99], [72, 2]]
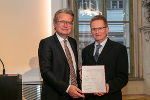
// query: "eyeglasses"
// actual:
[[99, 29], [65, 22]]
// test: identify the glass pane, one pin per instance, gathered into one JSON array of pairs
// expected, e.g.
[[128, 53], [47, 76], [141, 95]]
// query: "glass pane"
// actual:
[[89, 8], [85, 36], [119, 32], [117, 10], [120, 4], [114, 4]]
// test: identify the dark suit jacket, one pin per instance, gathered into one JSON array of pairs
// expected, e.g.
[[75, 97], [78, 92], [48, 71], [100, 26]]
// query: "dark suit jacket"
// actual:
[[114, 57], [54, 68]]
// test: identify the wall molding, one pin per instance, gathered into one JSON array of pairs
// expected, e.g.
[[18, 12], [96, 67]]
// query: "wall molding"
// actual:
[[146, 31]]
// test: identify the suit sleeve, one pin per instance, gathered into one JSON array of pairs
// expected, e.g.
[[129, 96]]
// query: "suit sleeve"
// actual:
[[121, 72], [83, 57], [45, 61]]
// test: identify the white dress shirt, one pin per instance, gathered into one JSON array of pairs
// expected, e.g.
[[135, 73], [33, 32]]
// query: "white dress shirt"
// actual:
[[101, 48], [61, 40]]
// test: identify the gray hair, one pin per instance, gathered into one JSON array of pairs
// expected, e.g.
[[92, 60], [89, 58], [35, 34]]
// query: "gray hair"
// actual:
[[64, 10]]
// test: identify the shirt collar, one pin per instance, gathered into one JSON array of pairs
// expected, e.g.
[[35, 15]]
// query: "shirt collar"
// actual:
[[60, 38], [102, 44]]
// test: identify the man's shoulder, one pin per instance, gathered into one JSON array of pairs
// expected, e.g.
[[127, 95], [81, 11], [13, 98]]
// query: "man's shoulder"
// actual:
[[70, 38], [88, 47], [116, 44], [49, 38]]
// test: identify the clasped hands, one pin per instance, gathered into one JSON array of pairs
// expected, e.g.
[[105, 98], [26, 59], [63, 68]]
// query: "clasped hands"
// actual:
[[75, 92], [98, 94]]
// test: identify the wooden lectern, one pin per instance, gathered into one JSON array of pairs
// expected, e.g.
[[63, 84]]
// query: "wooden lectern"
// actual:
[[10, 87]]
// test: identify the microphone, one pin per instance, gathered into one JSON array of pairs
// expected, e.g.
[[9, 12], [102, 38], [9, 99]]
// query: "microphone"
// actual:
[[3, 67]]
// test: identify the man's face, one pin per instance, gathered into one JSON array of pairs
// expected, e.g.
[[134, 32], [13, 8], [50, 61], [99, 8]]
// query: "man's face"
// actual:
[[99, 30], [63, 25]]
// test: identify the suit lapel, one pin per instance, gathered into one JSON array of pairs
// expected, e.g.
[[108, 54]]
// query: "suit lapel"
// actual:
[[59, 47], [106, 49], [91, 51], [61, 51]]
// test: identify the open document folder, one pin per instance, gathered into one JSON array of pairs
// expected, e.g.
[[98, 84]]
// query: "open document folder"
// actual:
[[93, 79]]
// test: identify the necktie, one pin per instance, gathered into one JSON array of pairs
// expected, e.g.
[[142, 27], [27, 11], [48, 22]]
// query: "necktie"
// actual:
[[97, 52], [70, 62]]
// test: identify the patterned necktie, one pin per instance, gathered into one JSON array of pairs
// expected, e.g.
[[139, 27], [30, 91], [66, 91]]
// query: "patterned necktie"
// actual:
[[70, 62], [97, 52]]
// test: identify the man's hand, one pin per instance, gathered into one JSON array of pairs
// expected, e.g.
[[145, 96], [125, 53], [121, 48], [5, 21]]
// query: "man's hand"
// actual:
[[102, 93], [75, 92], [107, 87]]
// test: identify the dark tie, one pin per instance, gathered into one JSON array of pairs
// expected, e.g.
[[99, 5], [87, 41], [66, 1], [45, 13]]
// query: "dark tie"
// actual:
[[70, 62], [97, 52]]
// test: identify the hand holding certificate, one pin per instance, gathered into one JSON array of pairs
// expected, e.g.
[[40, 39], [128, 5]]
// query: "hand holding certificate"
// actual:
[[93, 79]]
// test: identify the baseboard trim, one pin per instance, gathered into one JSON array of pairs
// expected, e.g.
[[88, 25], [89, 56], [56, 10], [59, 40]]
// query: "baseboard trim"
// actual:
[[136, 97]]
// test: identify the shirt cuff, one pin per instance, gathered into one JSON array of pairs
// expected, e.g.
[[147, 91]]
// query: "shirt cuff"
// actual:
[[68, 89]]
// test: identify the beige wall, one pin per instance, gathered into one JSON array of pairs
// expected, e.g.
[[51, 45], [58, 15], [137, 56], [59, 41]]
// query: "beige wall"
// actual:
[[23, 23]]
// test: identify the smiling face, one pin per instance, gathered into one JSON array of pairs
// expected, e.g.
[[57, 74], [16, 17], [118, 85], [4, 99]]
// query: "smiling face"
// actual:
[[99, 30], [63, 25]]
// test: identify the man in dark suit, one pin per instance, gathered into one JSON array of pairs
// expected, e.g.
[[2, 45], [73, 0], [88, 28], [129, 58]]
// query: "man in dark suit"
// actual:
[[58, 61], [109, 53]]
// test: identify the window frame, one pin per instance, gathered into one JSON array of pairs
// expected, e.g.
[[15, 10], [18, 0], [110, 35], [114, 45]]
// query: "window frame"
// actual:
[[136, 63]]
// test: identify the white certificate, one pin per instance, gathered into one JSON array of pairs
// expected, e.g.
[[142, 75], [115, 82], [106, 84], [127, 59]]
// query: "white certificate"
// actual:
[[93, 79]]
